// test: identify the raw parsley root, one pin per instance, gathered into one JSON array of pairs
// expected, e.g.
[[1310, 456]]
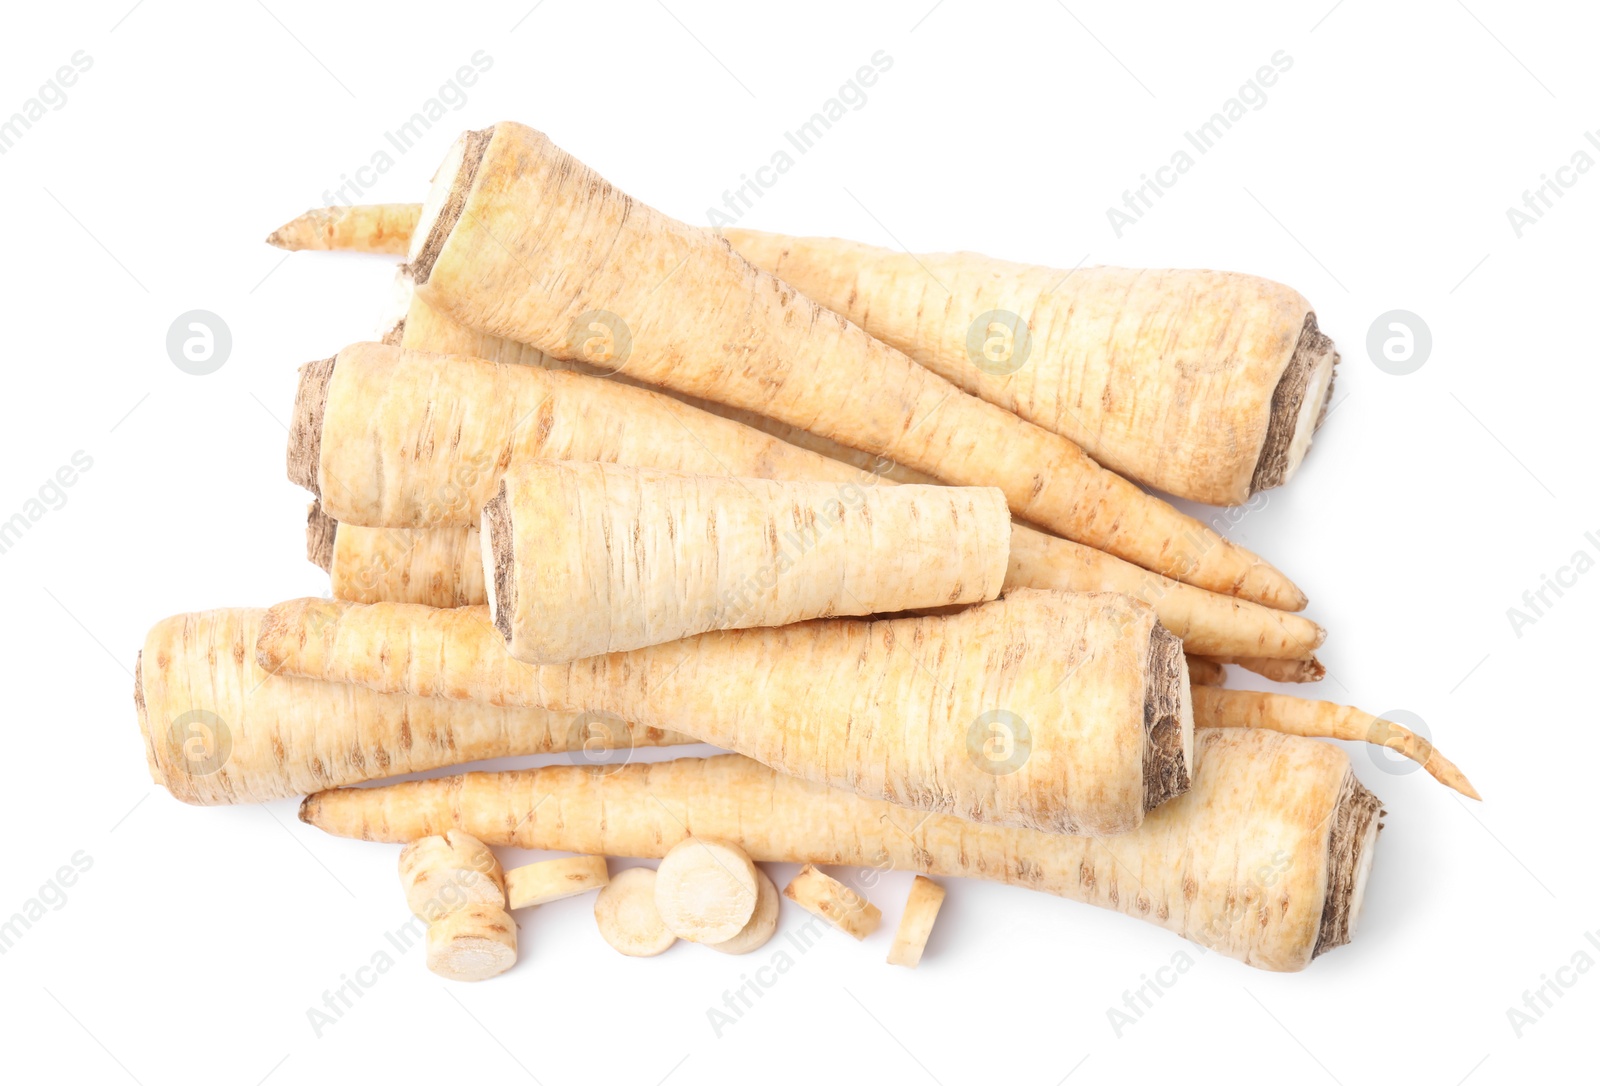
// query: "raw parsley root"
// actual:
[[1203, 384], [1217, 708], [585, 558], [1048, 709], [396, 439], [1264, 859], [520, 239], [218, 729]]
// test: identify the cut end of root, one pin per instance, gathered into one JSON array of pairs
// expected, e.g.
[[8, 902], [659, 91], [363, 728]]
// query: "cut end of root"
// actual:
[[392, 321], [320, 532], [144, 721], [499, 567], [1352, 840], [1168, 720], [442, 209], [305, 429], [1299, 404]]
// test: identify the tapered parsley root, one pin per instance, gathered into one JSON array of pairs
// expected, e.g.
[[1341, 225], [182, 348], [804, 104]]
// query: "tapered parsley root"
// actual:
[[520, 239], [218, 729], [394, 439], [1065, 712], [1204, 384], [438, 431], [1215, 708], [363, 228], [552, 880], [441, 873], [423, 328], [1115, 359], [586, 558], [822, 895], [1264, 859]]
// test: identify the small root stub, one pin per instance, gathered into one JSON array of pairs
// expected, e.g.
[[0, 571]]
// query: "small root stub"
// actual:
[[1351, 842], [305, 428], [1299, 404], [321, 529], [442, 210], [1168, 720], [499, 573]]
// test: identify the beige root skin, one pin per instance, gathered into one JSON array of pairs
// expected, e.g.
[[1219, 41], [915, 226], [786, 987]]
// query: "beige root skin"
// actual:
[[824, 896], [1043, 709], [1245, 863], [625, 912], [441, 429], [916, 922], [322, 533], [1306, 669], [553, 880], [833, 272], [1174, 378], [443, 567], [362, 228], [424, 328], [783, 356], [219, 729], [385, 411], [440, 568], [706, 890], [1214, 708], [762, 926], [1205, 671], [475, 942], [441, 873], [593, 558]]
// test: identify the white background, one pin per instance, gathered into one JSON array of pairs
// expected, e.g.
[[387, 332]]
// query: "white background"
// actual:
[[1376, 177]]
